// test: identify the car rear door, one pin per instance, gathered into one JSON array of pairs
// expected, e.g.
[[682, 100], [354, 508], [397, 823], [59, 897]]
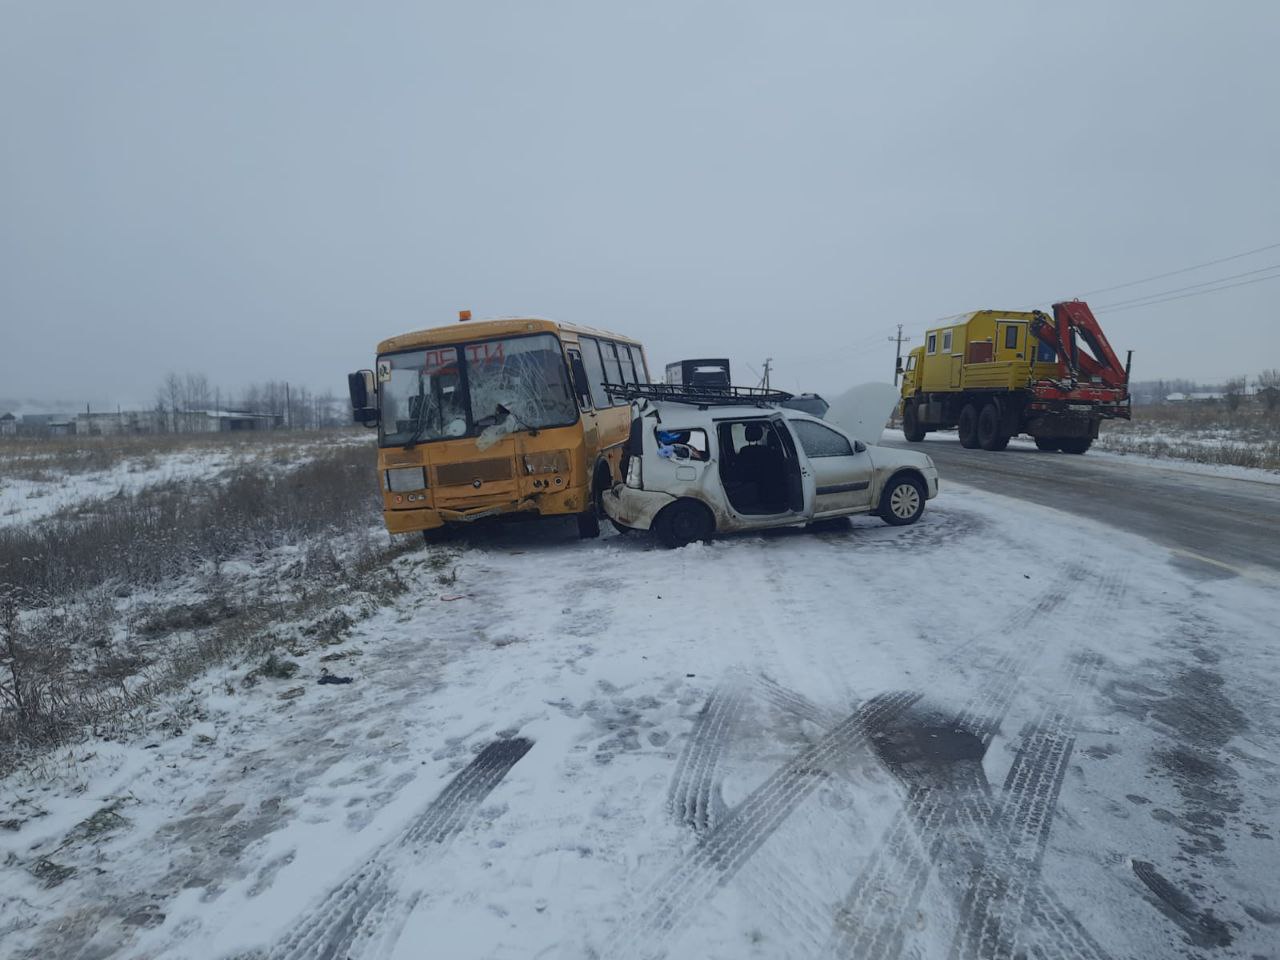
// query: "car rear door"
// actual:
[[841, 467]]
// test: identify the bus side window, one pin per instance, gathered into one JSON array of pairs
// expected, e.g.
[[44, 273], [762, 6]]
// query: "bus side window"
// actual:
[[595, 372]]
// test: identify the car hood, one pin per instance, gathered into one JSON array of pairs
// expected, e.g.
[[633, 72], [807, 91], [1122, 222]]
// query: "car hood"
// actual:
[[863, 411]]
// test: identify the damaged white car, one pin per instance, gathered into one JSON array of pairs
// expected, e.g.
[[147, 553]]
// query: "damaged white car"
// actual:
[[700, 463]]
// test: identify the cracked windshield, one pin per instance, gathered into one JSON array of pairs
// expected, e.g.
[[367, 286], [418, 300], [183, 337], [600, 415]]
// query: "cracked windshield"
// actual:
[[518, 383]]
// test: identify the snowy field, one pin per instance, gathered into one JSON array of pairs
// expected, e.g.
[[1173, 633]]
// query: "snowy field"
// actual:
[[1003, 731], [36, 484]]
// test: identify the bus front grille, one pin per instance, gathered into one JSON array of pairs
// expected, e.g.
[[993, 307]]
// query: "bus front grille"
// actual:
[[467, 473]]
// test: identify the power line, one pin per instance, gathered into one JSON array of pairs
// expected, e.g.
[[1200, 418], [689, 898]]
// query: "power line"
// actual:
[[1192, 286], [1198, 293], [1172, 273]]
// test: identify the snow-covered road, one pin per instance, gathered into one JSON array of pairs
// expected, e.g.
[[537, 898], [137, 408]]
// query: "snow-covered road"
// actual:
[[1003, 731]]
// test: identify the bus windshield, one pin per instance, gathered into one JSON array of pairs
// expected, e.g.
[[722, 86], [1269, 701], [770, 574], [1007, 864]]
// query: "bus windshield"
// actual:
[[474, 389]]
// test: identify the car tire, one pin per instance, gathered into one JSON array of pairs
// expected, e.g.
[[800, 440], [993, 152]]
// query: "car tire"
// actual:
[[588, 525], [967, 427], [682, 523], [911, 428], [991, 435], [1075, 444], [621, 527], [902, 501], [1048, 444]]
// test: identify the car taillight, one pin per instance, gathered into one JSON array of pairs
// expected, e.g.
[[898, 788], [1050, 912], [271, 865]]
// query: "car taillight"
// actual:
[[635, 473]]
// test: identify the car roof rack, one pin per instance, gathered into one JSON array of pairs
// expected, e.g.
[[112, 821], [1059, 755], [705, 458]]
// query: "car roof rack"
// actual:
[[703, 395]]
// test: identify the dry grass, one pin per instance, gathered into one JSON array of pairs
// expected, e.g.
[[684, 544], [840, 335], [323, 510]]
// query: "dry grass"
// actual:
[[44, 460], [1201, 432], [87, 640]]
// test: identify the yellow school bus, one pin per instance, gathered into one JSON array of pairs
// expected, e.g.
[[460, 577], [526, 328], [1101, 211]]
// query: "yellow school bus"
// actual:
[[487, 418]]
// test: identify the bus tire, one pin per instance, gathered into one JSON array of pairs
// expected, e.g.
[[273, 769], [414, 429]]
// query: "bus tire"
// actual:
[[682, 523], [588, 524], [967, 427]]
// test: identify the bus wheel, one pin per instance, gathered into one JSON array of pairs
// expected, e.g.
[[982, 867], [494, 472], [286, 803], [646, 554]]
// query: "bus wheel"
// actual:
[[588, 525]]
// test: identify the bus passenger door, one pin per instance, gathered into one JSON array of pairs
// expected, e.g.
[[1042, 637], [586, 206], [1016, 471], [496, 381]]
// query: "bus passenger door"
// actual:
[[582, 390]]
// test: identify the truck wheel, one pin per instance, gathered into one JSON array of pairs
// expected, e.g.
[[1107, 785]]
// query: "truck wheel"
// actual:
[[902, 501], [1075, 444], [968, 427], [911, 428], [588, 525], [991, 436], [1048, 443], [683, 522]]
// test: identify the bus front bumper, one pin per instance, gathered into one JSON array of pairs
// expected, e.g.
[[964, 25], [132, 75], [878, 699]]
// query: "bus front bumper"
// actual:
[[559, 503]]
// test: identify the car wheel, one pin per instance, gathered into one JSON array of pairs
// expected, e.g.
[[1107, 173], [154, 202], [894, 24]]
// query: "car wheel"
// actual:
[[1048, 444], [683, 522], [902, 501], [588, 525], [968, 427], [620, 527], [911, 428], [1075, 444], [991, 435]]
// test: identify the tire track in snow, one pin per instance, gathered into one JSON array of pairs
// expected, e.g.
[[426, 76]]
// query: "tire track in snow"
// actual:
[[361, 909], [997, 905], [690, 798], [671, 902], [873, 919]]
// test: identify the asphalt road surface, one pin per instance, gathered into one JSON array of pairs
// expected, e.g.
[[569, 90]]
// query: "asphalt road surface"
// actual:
[[1216, 524]]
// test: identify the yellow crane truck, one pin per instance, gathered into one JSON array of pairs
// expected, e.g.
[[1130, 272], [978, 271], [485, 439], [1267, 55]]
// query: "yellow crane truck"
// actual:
[[995, 374]]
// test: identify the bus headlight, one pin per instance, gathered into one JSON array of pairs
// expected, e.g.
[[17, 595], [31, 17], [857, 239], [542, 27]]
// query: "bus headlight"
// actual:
[[405, 479]]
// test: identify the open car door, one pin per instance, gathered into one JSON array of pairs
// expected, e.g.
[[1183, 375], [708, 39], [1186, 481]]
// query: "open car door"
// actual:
[[863, 411]]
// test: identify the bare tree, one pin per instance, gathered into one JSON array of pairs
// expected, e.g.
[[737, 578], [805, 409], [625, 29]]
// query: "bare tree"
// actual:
[[1269, 388], [1233, 390]]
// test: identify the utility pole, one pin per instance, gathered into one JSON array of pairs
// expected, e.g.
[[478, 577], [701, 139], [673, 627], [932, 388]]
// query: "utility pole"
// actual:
[[764, 381], [897, 365]]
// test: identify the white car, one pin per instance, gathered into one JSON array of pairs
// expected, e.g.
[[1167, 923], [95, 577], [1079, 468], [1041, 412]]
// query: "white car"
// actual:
[[698, 467]]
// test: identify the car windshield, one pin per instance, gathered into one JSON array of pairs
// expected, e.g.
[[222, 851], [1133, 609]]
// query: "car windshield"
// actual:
[[474, 389]]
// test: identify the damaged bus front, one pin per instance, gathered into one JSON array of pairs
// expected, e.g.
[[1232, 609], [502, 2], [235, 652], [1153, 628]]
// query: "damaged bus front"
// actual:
[[483, 419]]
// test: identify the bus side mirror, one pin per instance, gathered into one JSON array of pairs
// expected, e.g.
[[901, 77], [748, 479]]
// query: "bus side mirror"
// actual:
[[364, 408]]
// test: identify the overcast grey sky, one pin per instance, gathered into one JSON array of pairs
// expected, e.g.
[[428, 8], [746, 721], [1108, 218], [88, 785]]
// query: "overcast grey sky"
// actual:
[[264, 190]]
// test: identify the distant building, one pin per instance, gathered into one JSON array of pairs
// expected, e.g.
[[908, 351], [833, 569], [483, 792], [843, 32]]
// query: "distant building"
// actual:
[[1194, 397], [122, 421], [226, 421], [8, 425]]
